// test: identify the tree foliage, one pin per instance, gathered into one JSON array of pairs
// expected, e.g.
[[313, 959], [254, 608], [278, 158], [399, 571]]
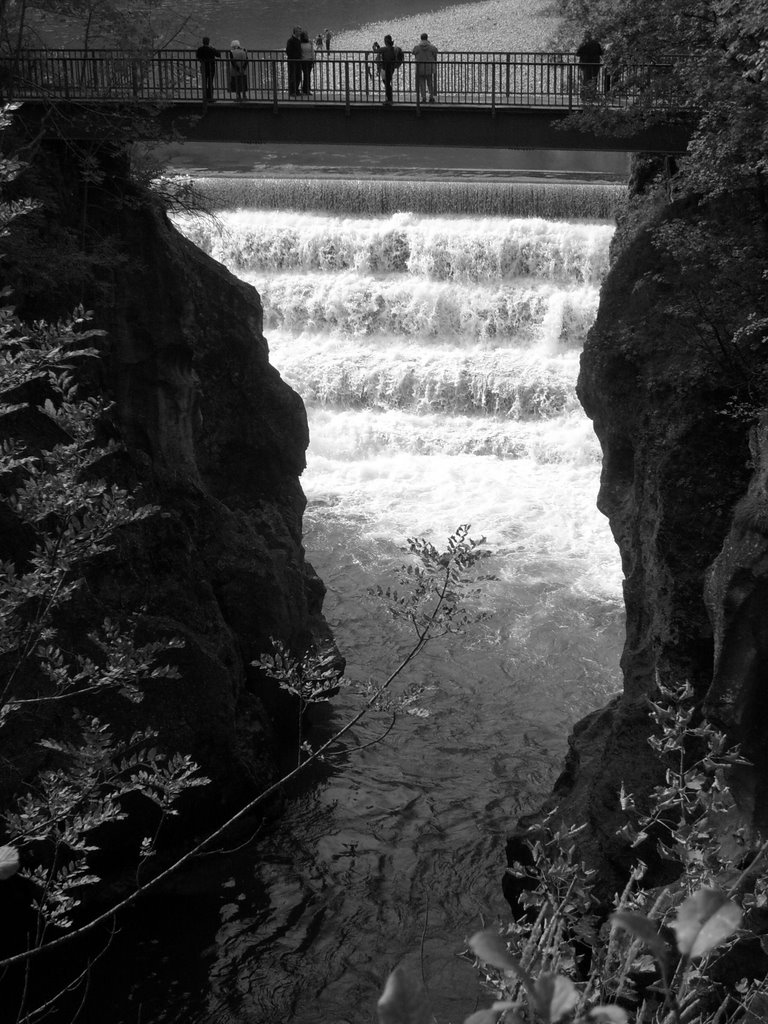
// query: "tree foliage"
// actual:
[[138, 25], [59, 516], [71, 770], [719, 53]]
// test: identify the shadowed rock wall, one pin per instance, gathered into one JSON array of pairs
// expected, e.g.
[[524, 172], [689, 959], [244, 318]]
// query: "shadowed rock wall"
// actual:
[[221, 439], [209, 433], [674, 412]]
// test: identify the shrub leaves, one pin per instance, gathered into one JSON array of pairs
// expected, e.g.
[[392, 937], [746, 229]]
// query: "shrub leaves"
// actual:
[[555, 996], [642, 928], [704, 921]]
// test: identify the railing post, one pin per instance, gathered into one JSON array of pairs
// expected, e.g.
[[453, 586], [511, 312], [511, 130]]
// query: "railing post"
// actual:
[[508, 72], [347, 107], [65, 68], [570, 86], [274, 86], [493, 89]]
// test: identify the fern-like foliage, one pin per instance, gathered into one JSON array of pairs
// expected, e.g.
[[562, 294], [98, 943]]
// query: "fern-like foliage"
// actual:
[[63, 518], [436, 588]]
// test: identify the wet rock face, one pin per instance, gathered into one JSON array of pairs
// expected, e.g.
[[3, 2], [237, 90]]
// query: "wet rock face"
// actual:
[[691, 527]]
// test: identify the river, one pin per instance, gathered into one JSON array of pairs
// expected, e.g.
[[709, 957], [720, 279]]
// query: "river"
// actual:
[[433, 329], [437, 354], [264, 25]]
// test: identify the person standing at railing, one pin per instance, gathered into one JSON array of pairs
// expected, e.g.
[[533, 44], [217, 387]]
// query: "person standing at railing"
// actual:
[[293, 53], [426, 65], [206, 55], [373, 69], [391, 59], [328, 37], [238, 70], [307, 62], [590, 54]]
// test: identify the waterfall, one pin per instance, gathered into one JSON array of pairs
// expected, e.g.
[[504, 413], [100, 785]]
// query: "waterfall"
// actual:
[[376, 196], [433, 331]]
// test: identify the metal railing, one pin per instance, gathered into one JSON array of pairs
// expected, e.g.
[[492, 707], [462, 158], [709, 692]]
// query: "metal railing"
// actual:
[[492, 80]]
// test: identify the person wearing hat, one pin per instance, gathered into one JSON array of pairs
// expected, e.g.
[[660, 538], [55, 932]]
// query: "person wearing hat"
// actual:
[[238, 70]]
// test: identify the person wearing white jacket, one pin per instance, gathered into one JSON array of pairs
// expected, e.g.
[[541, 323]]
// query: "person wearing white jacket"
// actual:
[[238, 70]]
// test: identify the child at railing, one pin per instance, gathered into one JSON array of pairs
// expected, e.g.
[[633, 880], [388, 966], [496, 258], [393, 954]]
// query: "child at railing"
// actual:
[[374, 58]]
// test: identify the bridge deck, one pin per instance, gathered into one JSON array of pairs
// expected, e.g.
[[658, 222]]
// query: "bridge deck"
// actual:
[[515, 100]]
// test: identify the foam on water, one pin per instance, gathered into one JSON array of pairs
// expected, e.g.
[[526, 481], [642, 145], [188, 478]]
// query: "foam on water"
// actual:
[[357, 305], [369, 374], [360, 434], [463, 249], [533, 513]]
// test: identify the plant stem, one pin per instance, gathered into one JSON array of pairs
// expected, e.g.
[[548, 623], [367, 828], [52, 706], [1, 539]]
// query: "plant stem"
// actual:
[[748, 870]]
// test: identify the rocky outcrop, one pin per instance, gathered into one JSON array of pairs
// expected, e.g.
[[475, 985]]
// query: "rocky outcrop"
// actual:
[[224, 441], [736, 594], [670, 407], [208, 433]]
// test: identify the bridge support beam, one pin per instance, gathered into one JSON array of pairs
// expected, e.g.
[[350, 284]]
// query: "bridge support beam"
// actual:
[[400, 125], [405, 125]]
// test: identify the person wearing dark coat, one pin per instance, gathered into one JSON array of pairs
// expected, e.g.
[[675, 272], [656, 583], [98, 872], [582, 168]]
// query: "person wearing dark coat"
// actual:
[[206, 55], [590, 54], [391, 57], [293, 53]]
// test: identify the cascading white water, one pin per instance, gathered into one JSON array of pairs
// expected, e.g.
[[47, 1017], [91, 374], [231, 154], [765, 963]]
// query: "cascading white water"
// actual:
[[437, 356]]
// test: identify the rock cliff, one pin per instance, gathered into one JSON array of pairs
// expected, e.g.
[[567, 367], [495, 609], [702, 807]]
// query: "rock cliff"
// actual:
[[209, 433], [674, 405]]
